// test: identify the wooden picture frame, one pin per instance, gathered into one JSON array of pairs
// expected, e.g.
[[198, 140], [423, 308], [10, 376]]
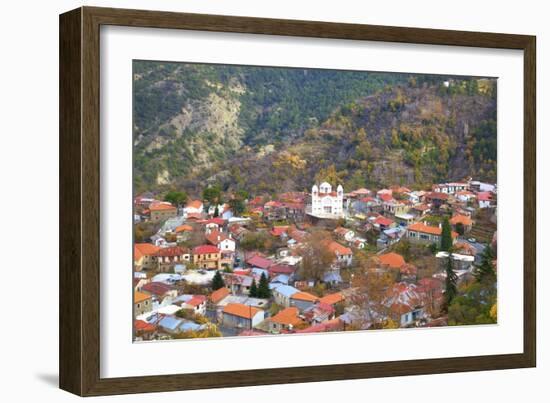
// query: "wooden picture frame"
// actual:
[[80, 199]]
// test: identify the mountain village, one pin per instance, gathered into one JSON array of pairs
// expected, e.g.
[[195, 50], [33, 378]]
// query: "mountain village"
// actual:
[[329, 259]]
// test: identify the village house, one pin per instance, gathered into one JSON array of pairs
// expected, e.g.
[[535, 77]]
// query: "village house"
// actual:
[[420, 210], [463, 220], [143, 303], [344, 234], [303, 300], [241, 316], [183, 232], [144, 256], [343, 256], [318, 313], [285, 320], [450, 188], [383, 223], [394, 207], [237, 283], [161, 292], [282, 294], [223, 241], [196, 304], [405, 304], [484, 199], [144, 330], [193, 207], [426, 234], [166, 258], [436, 199], [391, 260], [162, 211], [207, 257]]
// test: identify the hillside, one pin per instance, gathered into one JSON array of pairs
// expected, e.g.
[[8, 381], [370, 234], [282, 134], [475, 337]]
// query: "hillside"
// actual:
[[197, 124]]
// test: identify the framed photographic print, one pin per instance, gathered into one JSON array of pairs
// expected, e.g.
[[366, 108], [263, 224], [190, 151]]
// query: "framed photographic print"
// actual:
[[309, 201]]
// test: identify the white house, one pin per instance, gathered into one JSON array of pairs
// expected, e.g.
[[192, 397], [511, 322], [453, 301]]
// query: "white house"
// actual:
[[194, 207], [325, 203]]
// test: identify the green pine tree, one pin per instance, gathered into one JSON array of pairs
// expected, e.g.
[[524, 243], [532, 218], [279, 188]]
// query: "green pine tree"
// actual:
[[484, 271], [450, 283], [446, 236], [217, 281], [263, 287], [253, 289]]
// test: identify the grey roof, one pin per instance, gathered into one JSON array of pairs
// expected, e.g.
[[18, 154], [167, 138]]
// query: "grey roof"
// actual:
[[286, 290]]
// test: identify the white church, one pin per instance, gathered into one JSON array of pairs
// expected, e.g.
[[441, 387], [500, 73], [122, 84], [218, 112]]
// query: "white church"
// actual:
[[325, 203]]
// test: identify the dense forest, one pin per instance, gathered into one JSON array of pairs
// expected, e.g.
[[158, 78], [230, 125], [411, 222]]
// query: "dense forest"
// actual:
[[232, 125]]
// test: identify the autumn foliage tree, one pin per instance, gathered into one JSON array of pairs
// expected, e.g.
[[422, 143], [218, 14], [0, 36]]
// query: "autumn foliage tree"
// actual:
[[316, 256]]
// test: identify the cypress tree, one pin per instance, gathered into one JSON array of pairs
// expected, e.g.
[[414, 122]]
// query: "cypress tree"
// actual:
[[484, 271], [446, 236], [217, 281], [450, 283], [253, 289], [216, 211], [263, 288]]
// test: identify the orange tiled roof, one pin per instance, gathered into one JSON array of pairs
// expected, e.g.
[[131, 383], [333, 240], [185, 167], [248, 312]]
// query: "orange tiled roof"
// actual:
[[392, 259], [288, 316], [462, 219], [161, 206], [140, 297], [304, 296], [144, 249], [194, 204], [336, 248], [241, 310], [219, 294], [332, 299], [184, 228], [427, 229]]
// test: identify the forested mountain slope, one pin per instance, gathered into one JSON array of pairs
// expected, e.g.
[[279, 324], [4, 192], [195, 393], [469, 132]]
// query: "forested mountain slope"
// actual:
[[232, 125]]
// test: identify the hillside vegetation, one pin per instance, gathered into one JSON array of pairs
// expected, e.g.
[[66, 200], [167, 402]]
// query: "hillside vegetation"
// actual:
[[232, 125]]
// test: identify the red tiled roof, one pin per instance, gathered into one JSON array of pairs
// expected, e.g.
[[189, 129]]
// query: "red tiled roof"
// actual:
[[215, 237], [196, 300], [142, 326], [281, 269], [215, 220], [241, 310], [170, 251], [279, 230], [385, 197], [259, 261], [484, 196], [332, 325], [156, 288], [381, 220], [202, 249], [437, 195]]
